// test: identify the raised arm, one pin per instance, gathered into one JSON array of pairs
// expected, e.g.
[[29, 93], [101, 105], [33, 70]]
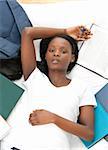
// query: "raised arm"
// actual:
[[28, 53], [29, 34]]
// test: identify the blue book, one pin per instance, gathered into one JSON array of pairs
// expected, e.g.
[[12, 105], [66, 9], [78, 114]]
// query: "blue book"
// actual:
[[101, 117], [102, 97]]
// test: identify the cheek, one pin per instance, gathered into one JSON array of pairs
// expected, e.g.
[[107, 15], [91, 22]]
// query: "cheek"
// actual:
[[65, 62], [48, 58], [67, 59], [48, 55]]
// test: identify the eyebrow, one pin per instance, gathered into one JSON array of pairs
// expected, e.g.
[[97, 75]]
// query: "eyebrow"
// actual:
[[60, 47]]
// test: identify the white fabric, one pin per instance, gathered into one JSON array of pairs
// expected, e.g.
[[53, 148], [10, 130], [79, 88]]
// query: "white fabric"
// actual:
[[93, 50], [59, 15], [67, 13], [41, 94], [63, 15], [4, 128]]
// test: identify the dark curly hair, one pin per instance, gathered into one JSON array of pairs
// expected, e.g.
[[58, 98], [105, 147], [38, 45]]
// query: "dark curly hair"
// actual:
[[42, 65]]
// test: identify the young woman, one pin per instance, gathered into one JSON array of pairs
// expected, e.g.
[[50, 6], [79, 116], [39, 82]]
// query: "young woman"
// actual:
[[58, 109]]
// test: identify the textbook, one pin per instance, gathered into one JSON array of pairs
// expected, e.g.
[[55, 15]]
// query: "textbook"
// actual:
[[9, 96], [102, 97], [101, 117], [93, 53]]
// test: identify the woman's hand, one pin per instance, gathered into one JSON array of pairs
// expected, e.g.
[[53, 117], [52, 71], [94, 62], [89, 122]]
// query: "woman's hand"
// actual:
[[39, 117], [79, 33]]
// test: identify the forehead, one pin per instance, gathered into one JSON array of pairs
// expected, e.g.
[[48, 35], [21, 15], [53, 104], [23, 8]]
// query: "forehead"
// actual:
[[59, 41]]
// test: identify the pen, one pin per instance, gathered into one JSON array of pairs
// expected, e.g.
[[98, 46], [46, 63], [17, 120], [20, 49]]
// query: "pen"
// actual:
[[82, 29]]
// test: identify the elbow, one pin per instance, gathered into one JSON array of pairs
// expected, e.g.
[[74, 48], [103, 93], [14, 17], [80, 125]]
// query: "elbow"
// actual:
[[26, 31], [90, 135]]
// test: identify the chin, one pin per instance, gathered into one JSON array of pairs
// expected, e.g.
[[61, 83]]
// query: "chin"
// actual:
[[56, 69]]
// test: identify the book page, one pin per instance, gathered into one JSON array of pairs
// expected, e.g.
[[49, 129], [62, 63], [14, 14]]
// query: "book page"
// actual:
[[94, 52]]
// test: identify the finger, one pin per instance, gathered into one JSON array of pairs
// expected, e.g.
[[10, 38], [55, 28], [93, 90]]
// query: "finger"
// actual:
[[80, 39], [81, 26], [34, 123], [83, 39], [29, 120], [30, 115], [85, 30], [88, 37], [34, 111], [82, 29], [40, 109], [87, 33]]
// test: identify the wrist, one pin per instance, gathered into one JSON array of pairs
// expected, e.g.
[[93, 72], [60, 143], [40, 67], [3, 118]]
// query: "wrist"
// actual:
[[54, 118]]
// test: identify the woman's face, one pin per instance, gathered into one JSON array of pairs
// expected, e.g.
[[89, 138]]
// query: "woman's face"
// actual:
[[59, 54]]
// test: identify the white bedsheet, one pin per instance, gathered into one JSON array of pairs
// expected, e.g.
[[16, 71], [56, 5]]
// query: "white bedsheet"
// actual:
[[60, 18], [86, 16], [96, 83]]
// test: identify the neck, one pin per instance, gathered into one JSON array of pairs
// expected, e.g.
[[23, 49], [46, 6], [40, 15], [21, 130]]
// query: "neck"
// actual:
[[58, 78]]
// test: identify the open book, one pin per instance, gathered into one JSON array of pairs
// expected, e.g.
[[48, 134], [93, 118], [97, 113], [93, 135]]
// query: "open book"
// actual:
[[93, 54]]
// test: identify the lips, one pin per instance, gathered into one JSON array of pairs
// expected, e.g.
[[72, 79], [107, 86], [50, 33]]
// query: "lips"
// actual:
[[55, 61]]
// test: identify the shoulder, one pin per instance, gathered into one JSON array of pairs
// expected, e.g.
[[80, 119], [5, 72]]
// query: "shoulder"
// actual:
[[80, 84], [85, 92], [86, 95], [35, 78]]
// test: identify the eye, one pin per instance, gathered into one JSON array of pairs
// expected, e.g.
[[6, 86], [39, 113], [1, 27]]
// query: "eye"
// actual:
[[64, 51], [51, 50]]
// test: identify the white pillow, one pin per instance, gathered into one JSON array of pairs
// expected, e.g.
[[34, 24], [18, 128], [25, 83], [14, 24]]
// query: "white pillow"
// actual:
[[60, 15], [66, 14]]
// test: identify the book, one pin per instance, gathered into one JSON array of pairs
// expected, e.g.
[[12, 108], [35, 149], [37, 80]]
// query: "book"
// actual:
[[102, 97], [9, 96], [93, 53], [101, 117]]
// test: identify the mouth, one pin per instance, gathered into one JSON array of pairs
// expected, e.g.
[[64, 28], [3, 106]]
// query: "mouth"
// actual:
[[55, 61]]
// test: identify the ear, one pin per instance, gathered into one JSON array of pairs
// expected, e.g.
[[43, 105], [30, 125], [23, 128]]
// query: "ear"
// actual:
[[73, 58]]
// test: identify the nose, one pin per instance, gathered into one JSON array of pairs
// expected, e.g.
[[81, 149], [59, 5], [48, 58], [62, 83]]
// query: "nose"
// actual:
[[57, 53]]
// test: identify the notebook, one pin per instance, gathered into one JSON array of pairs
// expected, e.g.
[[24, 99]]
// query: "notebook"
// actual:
[[9, 96], [93, 53], [101, 117], [102, 97]]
